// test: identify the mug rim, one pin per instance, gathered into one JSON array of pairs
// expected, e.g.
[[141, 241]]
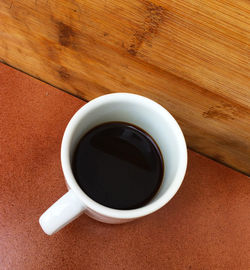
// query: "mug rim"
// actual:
[[104, 210]]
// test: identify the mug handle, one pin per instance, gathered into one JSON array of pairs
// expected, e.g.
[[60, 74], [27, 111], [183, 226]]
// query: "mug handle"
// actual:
[[61, 213]]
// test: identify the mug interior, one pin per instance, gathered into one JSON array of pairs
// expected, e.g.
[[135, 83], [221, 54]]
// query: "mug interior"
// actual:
[[141, 112]]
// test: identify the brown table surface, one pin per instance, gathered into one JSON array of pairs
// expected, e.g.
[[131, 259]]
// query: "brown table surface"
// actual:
[[205, 226]]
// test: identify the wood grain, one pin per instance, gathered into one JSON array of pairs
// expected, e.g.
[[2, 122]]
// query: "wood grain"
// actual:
[[193, 57]]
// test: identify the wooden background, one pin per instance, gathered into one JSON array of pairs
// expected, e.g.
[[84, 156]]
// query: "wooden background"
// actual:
[[191, 56]]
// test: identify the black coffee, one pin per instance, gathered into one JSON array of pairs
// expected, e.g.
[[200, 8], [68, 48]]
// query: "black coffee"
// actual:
[[118, 165]]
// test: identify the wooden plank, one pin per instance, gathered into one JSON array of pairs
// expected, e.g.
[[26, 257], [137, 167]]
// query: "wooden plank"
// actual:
[[190, 56]]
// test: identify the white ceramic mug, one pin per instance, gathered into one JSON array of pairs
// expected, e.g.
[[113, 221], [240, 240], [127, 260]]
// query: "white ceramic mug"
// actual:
[[123, 107]]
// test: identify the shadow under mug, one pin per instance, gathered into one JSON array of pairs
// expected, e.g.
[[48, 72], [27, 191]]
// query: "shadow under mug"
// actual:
[[123, 107]]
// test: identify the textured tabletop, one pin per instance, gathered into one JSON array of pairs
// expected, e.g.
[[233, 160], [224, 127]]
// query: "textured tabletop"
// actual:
[[205, 226]]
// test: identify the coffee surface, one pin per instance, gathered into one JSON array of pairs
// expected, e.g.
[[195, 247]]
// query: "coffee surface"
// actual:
[[118, 165]]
